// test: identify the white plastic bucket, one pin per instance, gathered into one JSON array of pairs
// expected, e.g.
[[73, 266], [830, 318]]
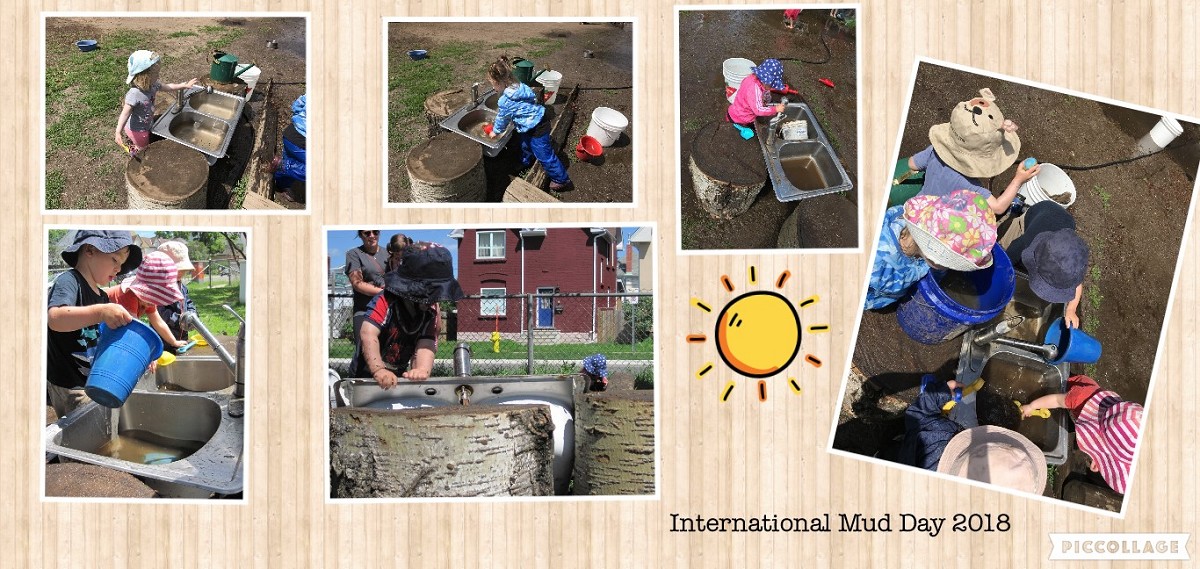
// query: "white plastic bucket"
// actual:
[[1164, 131], [607, 125], [250, 76], [734, 70], [1050, 181], [550, 80]]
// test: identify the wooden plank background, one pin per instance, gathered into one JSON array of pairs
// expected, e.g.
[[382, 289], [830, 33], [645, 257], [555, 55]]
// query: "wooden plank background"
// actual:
[[717, 459]]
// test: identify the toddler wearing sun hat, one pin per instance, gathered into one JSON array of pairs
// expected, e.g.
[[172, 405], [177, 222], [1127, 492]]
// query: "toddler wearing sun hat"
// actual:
[[153, 285], [753, 98], [173, 313]]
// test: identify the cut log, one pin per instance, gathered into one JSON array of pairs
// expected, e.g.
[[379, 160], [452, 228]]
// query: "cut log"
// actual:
[[447, 168], [727, 172], [484, 450], [441, 105], [520, 191], [614, 443], [167, 175], [257, 201], [77, 480], [823, 222], [266, 130]]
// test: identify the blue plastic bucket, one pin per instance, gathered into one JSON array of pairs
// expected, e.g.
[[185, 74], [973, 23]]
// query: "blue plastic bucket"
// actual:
[[122, 356], [930, 316], [1074, 345]]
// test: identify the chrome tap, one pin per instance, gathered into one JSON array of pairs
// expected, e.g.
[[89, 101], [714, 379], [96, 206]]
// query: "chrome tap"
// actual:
[[464, 393], [773, 127], [239, 389], [475, 93], [181, 98]]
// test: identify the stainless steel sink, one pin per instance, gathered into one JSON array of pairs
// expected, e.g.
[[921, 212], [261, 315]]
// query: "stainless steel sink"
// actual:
[[206, 123], [803, 168], [195, 373], [469, 120], [183, 445], [1012, 373], [554, 391]]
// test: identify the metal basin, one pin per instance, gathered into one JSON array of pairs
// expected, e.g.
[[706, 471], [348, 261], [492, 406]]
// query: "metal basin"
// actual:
[[492, 101], [469, 120], [205, 124], [803, 168], [184, 445], [195, 373], [554, 391]]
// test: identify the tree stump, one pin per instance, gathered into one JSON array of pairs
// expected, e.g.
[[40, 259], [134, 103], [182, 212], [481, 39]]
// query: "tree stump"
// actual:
[[520, 191], [614, 442], [484, 450], [727, 171], [447, 168], [77, 480], [823, 222], [441, 105], [167, 175]]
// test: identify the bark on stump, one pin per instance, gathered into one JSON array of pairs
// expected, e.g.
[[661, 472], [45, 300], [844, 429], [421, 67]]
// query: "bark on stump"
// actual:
[[447, 168], [441, 105], [727, 171], [822, 222], [614, 443], [485, 450], [77, 480], [167, 175]]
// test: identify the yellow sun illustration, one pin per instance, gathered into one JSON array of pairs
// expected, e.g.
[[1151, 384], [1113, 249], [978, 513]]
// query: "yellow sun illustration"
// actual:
[[758, 334]]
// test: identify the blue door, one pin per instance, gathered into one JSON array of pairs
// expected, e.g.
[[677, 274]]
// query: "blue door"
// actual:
[[545, 307]]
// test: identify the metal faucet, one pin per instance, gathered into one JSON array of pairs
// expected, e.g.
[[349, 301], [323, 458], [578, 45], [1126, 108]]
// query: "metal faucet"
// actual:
[[464, 393], [997, 335], [475, 93], [236, 365], [181, 98], [773, 127]]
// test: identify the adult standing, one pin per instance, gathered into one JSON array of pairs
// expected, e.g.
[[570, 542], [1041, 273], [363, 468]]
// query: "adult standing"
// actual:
[[365, 267]]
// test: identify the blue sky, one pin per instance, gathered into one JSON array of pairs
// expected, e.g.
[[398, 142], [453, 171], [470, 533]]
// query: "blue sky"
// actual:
[[339, 241]]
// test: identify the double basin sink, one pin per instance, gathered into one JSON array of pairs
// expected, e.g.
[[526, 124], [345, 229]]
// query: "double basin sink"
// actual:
[[1014, 373], [469, 120], [174, 432], [206, 122], [805, 168]]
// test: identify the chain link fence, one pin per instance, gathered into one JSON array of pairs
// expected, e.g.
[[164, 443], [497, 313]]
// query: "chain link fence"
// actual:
[[543, 332]]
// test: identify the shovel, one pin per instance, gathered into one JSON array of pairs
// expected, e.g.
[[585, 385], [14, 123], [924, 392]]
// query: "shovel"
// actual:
[[1043, 413], [184, 348]]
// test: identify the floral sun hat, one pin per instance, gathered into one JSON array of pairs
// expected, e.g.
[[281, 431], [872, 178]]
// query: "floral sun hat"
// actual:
[[955, 231]]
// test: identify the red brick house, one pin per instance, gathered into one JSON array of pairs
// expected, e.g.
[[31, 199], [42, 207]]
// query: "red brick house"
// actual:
[[499, 262]]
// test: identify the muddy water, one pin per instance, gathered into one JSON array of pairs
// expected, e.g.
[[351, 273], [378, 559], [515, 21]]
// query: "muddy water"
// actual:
[[1008, 382], [958, 286], [1030, 328], [803, 173], [200, 137], [144, 447]]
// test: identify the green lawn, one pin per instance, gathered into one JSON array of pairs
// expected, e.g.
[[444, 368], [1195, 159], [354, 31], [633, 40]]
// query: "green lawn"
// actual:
[[512, 350], [208, 301]]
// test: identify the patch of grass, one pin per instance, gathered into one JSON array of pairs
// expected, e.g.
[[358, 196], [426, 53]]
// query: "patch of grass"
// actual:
[[209, 297], [693, 124], [541, 47], [226, 36], [1104, 195], [239, 192], [514, 350], [110, 196], [506, 45], [55, 180], [181, 34], [645, 380]]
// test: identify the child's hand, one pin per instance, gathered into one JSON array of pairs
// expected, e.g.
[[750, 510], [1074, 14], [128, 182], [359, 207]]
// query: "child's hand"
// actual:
[[179, 344], [115, 316], [1070, 319], [416, 375], [191, 83], [1023, 175], [780, 107], [385, 378]]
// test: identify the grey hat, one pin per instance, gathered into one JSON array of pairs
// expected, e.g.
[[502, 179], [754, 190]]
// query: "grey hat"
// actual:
[[105, 242], [1056, 262]]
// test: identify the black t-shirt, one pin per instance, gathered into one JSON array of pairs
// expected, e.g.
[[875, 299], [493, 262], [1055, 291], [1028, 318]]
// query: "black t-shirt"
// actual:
[[372, 267], [1043, 216], [68, 361]]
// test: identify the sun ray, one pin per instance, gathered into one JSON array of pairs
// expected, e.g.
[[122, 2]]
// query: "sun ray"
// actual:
[[727, 283], [708, 366], [814, 360], [809, 301], [818, 328], [700, 304], [696, 338], [783, 277], [762, 390], [728, 389], [753, 275], [795, 386]]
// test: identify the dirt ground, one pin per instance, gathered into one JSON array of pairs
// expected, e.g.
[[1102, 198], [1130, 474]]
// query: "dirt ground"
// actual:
[[706, 39], [605, 80], [1131, 266], [96, 179]]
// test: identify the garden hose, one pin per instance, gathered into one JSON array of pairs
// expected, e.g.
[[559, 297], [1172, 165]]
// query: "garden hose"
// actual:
[[824, 44]]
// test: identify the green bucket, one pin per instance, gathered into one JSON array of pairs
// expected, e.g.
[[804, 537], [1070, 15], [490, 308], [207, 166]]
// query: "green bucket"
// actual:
[[523, 70]]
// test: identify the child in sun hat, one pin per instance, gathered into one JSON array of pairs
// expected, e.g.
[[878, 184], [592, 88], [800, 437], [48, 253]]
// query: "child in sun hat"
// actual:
[[137, 114], [173, 313], [753, 98], [595, 368], [956, 231], [76, 305], [1106, 427], [153, 285], [1043, 244], [978, 142]]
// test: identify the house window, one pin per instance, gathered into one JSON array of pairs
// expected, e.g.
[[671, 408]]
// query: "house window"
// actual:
[[489, 245], [493, 302]]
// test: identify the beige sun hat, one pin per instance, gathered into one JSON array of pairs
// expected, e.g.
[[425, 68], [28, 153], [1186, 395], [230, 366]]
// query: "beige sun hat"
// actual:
[[178, 251], [977, 142], [997, 456]]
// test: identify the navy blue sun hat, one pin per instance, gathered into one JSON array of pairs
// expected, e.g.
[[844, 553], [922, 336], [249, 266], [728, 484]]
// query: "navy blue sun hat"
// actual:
[[105, 242], [425, 275], [596, 364], [1056, 262], [770, 73]]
